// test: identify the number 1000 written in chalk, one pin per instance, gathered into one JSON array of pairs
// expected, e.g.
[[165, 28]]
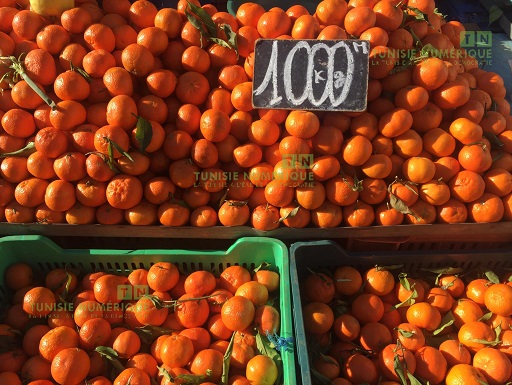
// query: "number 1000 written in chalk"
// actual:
[[329, 75]]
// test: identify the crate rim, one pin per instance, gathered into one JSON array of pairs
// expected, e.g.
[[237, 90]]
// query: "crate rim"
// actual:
[[303, 357], [274, 247]]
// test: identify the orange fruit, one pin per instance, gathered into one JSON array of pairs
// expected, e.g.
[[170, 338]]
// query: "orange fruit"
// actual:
[[331, 12], [70, 366], [475, 335], [272, 24], [261, 370], [465, 373], [162, 276], [208, 363], [360, 369], [424, 315], [347, 280], [176, 351], [39, 301], [378, 281], [496, 299], [238, 313], [232, 277], [494, 365], [430, 364], [367, 308], [386, 361]]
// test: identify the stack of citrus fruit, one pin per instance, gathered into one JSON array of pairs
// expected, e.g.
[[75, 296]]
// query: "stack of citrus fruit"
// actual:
[[376, 326], [155, 326], [147, 119]]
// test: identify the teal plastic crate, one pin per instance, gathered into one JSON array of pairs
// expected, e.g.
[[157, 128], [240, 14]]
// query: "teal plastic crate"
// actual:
[[327, 255], [43, 255]]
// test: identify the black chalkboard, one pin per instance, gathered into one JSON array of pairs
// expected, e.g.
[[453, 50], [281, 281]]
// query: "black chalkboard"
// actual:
[[329, 75]]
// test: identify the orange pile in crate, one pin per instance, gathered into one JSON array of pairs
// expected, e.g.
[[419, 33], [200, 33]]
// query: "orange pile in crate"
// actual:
[[377, 327], [152, 327], [153, 121]]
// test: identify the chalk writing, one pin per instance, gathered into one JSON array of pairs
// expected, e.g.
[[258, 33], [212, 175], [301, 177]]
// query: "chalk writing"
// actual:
[[311, 74]]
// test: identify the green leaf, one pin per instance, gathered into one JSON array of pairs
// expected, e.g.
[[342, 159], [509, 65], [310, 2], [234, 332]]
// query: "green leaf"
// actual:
[[318, 274], [399, 370], [231, 37], [227, 359], [416, 39], [110, 150], [486, 316], [498, 155], [445, 270], [166, 374], [264, 265], [405, 333], [30, 148], [81, 71], [121, 150], [143, 133], [196, 23], [290, 214], [263, 346], [329, 359], [156, 331], [447, 320], [402, 277], [106, 351], [237, 203], [491, 276], [221, 42], [497, 331], [69, 279], [320, 378], [429, 50], [191, 379], [410, 300], [399, 205], [389, 267], [205, 18], [496, 143], [413, 380], [224, 198], [419, 14], [157, 302], [495, 14], [182, 203]]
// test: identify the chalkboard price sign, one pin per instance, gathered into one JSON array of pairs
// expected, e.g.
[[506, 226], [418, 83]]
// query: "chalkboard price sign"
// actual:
[[329, 75]]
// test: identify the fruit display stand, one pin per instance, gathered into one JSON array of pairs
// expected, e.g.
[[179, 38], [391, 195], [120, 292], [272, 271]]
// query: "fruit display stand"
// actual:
[[120, 248], [237, 231], [436, 236], [324, 257], [43, 255]]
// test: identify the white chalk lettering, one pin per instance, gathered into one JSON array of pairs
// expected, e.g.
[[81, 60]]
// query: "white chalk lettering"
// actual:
[[327, 79], [271, 73]]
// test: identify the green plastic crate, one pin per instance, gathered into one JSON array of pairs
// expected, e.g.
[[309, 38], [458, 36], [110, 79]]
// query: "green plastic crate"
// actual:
[[43, 255], [327, 255]]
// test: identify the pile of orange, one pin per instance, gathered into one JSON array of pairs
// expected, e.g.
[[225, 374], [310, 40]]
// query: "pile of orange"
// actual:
[[154, 326], [375, 326], [434, 145]]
